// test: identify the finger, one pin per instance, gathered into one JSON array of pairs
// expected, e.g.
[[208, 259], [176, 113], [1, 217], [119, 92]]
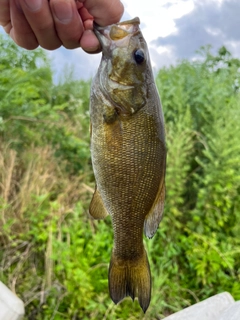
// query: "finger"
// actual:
[[89, 42], [39, 17], [85, 15], [105, 12], [68, 23], [8, 27], [20, 30], [4, 13]]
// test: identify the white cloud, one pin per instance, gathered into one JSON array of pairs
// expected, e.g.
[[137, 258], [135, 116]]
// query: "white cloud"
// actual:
[[214, 31], [210, 22], [157, 17]]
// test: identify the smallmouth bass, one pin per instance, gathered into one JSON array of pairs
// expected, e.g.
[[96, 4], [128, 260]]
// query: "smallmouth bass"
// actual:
[[128, 155]]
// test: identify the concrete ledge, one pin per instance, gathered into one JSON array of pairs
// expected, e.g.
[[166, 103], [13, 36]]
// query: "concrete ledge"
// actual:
[[232, 312], [11, 307], [212, 308]]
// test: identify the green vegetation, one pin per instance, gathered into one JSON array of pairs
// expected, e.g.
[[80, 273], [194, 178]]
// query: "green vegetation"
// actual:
[[52, 254]]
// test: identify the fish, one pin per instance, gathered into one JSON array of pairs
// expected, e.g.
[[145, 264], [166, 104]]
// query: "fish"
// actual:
[[128, 152]]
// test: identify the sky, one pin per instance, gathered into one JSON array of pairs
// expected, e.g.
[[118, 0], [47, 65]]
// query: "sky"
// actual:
[[173, 29]]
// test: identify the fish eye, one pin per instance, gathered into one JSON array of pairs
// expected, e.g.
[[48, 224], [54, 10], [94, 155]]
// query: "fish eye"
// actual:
[[139, 56]]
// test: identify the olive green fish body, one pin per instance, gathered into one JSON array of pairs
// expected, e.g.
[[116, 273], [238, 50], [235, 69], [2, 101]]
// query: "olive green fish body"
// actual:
[[128, 155]]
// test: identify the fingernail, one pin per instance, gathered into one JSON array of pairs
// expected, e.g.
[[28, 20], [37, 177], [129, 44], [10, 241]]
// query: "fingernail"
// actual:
[[33, 5], [93, 49], [63, 13]]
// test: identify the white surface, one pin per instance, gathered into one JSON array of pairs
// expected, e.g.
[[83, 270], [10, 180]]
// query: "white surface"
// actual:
[[209, 309], [232, 312], [11, 307]]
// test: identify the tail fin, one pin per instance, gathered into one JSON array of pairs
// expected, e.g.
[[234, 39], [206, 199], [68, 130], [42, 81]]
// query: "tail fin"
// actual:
[[130, 278]]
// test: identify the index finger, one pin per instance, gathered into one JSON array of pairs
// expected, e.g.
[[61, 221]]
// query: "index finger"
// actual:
[[4, 12], [104, 12]]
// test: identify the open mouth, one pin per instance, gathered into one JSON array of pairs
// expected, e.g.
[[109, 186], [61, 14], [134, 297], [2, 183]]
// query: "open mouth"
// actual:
[[117, 31]]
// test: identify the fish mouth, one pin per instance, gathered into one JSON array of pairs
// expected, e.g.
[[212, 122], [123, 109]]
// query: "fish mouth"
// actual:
[[115, 32]]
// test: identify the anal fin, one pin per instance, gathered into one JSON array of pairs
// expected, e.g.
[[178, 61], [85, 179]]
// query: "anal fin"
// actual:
[[154, 217], [97, 209]]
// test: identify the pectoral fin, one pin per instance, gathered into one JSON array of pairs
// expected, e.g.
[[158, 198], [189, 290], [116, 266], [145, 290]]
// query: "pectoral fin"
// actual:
[[97, 209], [109, 114], [154, 217]]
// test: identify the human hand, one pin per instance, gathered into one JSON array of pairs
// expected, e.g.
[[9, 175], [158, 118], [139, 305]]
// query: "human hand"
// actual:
[[54, 23]]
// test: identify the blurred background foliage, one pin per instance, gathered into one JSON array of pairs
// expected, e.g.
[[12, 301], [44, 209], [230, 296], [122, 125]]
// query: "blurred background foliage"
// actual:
[[52, 254]]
